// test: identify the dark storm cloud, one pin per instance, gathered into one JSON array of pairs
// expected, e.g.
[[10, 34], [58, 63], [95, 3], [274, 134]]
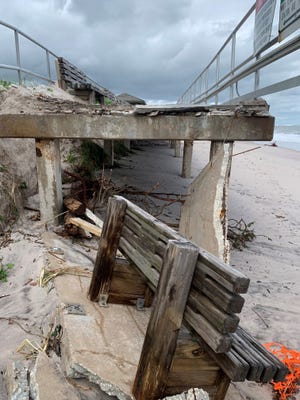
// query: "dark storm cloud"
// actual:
[[152, 49]]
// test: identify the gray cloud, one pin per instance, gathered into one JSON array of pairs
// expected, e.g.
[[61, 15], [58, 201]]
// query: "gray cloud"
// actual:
[[150, 49]]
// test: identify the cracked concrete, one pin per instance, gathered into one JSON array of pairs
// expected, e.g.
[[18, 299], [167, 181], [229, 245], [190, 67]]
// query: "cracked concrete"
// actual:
[[95, 346]]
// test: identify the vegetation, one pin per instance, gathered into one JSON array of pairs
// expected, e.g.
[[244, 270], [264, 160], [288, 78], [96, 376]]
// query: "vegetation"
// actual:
[[240, 233], [108, 102], [5, 84], [4, 270]]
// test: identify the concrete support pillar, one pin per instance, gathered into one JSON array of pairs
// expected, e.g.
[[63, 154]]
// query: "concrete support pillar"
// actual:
[[172, 144], [204, 213], [187, 159], [49, 179], [109, 152], [126, 143], [177, 148], [92, 97]]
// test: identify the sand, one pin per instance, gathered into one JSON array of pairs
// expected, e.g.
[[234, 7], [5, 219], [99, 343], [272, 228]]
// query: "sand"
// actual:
[[264, 189]]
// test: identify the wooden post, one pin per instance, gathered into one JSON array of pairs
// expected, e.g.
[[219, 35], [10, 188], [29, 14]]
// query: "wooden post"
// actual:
[[109, 152], [60, 81], [165, 321], [49, 179], [108, 247], [187, 159], [222, 386]]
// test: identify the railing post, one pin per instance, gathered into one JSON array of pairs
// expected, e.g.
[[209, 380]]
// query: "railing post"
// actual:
[[257, 76], [109, 242], [206, 84], [48, 64], [165, 321], [18, 58], [217, 76], [232, 64]]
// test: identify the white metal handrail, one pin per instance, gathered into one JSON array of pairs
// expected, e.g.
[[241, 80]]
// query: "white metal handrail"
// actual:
[[18, 67], [200, 92]]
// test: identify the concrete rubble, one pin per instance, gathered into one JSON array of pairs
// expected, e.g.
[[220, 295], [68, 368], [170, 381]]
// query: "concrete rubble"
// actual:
[[94, 354]]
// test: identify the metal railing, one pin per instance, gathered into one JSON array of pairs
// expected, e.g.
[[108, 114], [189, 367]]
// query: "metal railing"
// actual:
[[21, 71], [18, 67], [201, 92]]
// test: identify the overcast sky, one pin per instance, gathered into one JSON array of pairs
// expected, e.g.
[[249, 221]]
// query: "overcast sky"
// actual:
[[150, 48]]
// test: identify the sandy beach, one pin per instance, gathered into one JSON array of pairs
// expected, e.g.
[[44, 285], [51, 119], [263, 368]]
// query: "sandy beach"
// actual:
[[264, 189]]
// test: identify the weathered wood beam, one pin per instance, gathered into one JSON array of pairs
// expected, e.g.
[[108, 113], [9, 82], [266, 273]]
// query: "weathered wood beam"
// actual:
[[109, 242], [209, 126], [165, 321]]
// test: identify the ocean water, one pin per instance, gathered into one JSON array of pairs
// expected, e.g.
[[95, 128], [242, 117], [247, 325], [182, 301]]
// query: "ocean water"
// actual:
[[287, 136]]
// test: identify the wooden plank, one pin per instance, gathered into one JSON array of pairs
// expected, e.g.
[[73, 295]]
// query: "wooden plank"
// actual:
[[256, 367], [109, 243], [223, 298], [223, 322], [261, 351], [127, 285], [192, 377], [222, 386], [147, 220], [143, 265], [81, 223], [235, 366], [246, 106], [165, 321], [229, 277], [145, 248], [90, 215], [145, 234], [218, 342]]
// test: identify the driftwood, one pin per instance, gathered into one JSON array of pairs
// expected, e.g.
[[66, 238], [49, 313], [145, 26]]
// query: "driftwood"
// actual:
[[74, 206], [75, 225], [87, 226]]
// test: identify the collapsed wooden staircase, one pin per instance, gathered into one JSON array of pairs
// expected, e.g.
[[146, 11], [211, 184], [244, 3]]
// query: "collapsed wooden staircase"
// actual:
[[193, 336]]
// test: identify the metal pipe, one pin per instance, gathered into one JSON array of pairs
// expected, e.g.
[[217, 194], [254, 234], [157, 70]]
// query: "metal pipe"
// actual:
[[232, 63], [48, 64], [18, 59], [267, 59], [27, 37], [217, 77], [26, 71]]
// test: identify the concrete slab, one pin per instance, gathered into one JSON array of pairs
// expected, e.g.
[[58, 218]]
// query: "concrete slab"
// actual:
[[16, 380], [204, 213], [47, 382], [97, 346], [192, 394]]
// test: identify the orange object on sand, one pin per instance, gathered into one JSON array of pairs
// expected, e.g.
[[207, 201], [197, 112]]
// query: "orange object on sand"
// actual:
[[291, 358]]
